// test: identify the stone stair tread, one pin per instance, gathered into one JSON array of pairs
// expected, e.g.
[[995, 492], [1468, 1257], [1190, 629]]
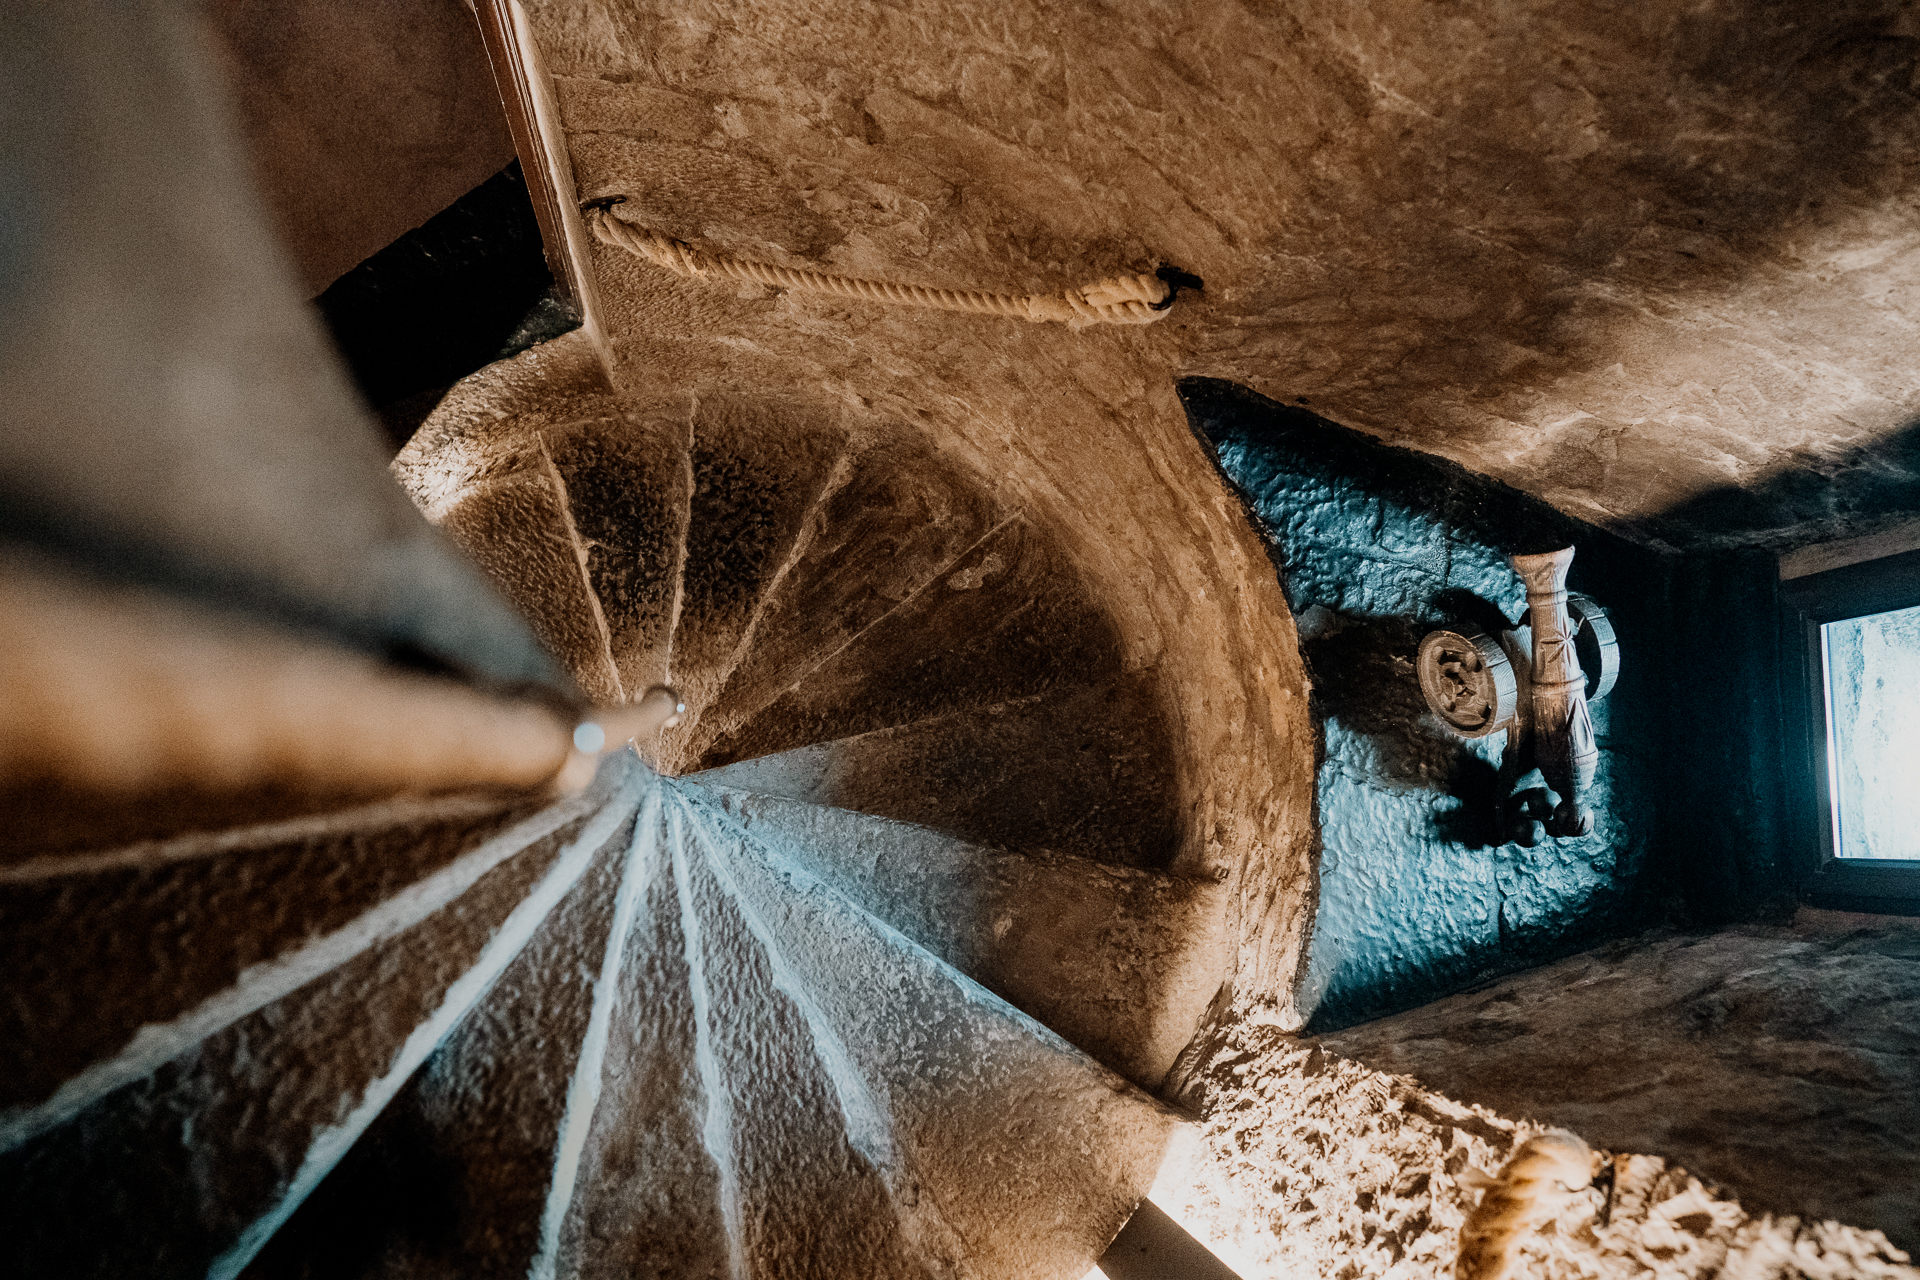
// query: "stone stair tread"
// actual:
[[899, 521], [1077, 768], [759, 1049], [1119, 962], [120, 959], [1006, 1150], [627, 484], [1007, 622], [646, 1196], [485, 419], [779, 1077], [756, 476], [515, 527], [454, 1177], [801, 1187], [190, 1169]]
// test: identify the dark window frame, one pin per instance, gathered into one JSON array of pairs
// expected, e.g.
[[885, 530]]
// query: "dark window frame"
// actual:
[[1834, 595]]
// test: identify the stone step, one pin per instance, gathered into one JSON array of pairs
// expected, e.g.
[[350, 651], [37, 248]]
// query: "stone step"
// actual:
[[628, 485], [1077, 769], [709, 1062], [519, 529], [901, 518], [487, 418], [1007, 621], [1001, 1150], [187, 1168], [1120, 962], [646, 1193], [119, 960], [808, 1173], [757, 475], [583, 524], [455, 1177]]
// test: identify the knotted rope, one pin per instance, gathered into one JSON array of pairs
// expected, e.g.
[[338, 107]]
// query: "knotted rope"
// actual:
[[1132, 299]]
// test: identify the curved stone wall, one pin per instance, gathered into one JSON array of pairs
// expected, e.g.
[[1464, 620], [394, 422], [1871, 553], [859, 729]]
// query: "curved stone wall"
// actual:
[[1420, 891]]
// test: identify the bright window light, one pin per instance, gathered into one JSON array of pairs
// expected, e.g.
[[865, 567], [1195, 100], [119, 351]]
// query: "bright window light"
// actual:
[[1872, 667]]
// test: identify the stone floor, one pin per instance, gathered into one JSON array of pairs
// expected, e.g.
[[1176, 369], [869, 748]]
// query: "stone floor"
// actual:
[[1773, 1070]]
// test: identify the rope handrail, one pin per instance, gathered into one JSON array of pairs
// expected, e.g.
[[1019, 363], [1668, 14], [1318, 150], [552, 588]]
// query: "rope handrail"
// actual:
[[1126, 299]]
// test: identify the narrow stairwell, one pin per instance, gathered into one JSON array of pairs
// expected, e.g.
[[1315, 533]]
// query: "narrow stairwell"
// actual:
[[869, 968]]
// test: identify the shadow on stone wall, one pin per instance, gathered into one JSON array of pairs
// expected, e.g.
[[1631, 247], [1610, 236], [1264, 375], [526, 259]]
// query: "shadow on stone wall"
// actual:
[[1711, 805], [1811, 498], [1705, 800], [1419, 893], [1363, 676]]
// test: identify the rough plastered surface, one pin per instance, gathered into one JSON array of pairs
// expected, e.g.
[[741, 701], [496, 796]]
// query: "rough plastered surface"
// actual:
[[1748, 1096], [1781, 1062], [1420, 891], [1656, 263]]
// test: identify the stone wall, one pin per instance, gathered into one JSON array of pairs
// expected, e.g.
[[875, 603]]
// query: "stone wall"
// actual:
[[364, 118], [1419, 892], [1656, 264]]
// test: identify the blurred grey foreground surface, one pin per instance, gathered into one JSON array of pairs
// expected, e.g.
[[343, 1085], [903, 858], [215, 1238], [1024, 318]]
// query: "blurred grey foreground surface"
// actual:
[[170, 411]]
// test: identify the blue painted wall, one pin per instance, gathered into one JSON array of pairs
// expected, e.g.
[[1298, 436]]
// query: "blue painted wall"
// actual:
[[1419, 894]]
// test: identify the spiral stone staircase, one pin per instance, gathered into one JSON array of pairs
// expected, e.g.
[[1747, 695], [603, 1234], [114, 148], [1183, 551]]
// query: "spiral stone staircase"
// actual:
[[868, 967], [995, 778]]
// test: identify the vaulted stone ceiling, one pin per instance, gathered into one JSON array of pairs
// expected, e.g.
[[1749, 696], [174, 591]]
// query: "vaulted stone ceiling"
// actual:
[[1656, 263]]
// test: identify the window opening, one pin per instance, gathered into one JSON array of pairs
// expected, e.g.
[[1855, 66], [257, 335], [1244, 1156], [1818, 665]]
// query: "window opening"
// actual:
[[1862, 627], [1871, 670]]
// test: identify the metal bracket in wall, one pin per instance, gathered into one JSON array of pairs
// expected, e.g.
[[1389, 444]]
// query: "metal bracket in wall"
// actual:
[[1535, 680]]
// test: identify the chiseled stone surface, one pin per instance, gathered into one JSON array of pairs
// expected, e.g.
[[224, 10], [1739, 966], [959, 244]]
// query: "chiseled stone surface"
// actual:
[[712, 1061], [1121, 962], [1081, 771], [803, 587], [1656, 263], [177, 1172], [1004, 620], [759, 468], [95, 953], [999, 1147], [1781, 1063], [1311, 1163], [890, 521], [939, 633], [452, 1178], [954, 621]]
